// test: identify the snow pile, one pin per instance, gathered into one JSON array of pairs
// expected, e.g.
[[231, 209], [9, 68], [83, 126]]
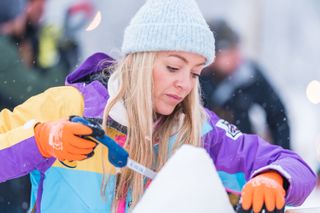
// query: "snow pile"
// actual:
[[187, 183]]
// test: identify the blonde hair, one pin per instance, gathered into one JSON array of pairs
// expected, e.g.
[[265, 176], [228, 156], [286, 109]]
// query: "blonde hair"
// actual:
[[136, 89]]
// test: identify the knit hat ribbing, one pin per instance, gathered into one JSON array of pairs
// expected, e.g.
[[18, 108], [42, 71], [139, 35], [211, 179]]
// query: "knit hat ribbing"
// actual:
[[169, 25]]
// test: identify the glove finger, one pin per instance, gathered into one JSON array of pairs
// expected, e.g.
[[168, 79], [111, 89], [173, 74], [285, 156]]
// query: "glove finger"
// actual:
[[63, 155], [241, 210], [258, 198], [81, 142], [76, 151], [266, 210], [79, 157], [73, 157], [60, 156], [280, 210], [246, 196], [69, 148], [78, 128], [269, 199], [280, 200]]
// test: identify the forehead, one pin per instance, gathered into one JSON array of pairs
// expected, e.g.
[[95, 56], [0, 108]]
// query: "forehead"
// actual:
[[187, 57]]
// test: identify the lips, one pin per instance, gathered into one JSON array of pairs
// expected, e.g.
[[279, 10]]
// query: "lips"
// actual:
[[174, 98]]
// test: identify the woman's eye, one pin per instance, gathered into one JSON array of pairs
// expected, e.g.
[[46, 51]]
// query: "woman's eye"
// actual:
[[195, 75], [172, 69]]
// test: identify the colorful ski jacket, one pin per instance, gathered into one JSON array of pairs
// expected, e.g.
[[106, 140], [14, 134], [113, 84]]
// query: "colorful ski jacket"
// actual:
[[237, 156]]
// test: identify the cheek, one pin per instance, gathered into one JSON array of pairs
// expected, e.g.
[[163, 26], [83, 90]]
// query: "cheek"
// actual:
[[159, 82], [189, 87]]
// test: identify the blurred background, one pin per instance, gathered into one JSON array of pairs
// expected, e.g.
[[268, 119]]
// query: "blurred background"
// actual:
[[282, 36]]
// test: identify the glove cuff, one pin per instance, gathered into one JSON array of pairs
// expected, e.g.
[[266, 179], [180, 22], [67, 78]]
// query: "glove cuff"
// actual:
[[39, 140], [274, 175]]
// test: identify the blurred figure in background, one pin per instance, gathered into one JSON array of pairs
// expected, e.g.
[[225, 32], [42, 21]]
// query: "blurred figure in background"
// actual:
[[19, 75], [27, 67], [233, 85], [53, 45]]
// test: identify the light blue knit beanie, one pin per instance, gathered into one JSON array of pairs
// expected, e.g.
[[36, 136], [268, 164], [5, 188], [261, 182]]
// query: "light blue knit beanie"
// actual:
[[169, 25]]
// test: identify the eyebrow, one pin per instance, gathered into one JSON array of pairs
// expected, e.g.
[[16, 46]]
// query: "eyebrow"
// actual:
[[185, 60]]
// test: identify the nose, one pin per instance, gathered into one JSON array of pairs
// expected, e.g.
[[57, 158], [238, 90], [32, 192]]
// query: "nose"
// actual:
[[184, 81]]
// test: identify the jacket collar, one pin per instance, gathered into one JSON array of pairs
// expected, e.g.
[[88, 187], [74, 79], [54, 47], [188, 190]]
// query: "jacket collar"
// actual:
[[93, 64], [118, 112]]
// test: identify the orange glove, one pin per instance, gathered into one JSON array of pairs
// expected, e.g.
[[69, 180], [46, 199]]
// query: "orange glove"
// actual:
[[61, 139], [264, 189]]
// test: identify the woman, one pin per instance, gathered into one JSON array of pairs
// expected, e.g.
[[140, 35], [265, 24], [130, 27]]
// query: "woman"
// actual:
[[151, 105]]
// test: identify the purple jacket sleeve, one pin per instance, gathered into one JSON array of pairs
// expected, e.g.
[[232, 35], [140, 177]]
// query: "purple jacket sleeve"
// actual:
[[22, 158], [233, 151]]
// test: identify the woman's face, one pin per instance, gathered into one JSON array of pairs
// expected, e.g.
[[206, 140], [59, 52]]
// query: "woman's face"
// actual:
[[174, 75]]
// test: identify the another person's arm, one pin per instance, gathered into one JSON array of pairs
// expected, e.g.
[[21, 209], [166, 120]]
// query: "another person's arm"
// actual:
[[276, 115]]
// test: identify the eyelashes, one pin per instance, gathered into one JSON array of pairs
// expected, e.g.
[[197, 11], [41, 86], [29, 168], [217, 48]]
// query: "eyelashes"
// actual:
[[196, 75], [174, 69]]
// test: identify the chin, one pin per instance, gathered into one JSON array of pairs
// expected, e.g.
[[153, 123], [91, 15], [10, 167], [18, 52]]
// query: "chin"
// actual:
[[165, 110]]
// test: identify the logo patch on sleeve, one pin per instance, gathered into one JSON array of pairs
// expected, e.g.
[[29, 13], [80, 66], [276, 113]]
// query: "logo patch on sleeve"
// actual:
[[231, 130]]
